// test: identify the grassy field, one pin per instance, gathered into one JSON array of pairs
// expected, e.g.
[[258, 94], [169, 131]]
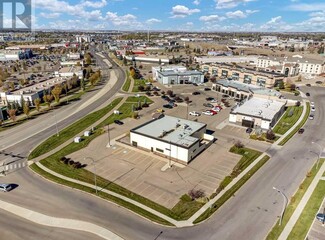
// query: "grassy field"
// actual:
[[307, 217], [287, 121], [293, 132], [137, 83], [294, 201], [231, 191], [127, 83], [70, 131]]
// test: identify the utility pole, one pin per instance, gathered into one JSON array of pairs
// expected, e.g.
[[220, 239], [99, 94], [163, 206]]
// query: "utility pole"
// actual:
[[109, 136]]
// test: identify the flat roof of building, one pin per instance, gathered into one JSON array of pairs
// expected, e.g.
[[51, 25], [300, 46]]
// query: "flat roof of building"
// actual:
[[70, 69], [176, 131], [259, 108], [250, 88], [180, 73]]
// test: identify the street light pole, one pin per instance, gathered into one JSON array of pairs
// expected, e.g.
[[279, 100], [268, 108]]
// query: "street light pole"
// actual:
[[320, 153], [95, 176], [56, 124], [109, 136], [285, 202]]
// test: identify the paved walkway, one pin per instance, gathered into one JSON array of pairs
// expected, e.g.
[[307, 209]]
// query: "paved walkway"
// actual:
[[45, 220], [295, 216]]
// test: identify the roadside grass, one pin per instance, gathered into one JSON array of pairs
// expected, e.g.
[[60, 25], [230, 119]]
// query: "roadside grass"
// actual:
[[70, 131], [137, 83], [302, 123], [137, 99], [287, 121], [186, 207], [294, 201], [263, 138], [127, 84], [307, 216], [101, 194], [230, 193]]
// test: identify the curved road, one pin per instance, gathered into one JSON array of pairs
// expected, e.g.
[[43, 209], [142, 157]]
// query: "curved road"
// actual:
[[248, 215]]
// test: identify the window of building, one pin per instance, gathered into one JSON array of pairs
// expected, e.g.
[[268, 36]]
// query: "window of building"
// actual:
[[247, 79], [261, 82], [159, 150], [224, 73]]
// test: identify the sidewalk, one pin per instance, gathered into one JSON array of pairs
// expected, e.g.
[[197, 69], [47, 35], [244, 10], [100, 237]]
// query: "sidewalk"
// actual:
[[293, 219], [46, 220]]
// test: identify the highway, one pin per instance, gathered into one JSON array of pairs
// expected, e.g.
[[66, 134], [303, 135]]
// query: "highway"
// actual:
[[250, 214]]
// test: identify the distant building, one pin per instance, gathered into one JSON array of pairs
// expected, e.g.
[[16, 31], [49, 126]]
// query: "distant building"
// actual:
[[257, 113], [244, 75], [73, 56], [175, 138], [69, 72], [83, 38], [13, 55], [227, 59], [166, 68], [171, 77]]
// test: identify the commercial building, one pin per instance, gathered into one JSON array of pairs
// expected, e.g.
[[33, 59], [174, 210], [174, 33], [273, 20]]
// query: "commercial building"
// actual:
[[257, 113], [242, 90], [166, 68], [13, 55], [183, 77], [69, 72], [292, 66], [227, 59], [175, 138], [83, 38], [244, 75]]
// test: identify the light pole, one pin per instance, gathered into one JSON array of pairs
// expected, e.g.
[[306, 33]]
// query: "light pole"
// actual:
[[56, 124], [109, 136], [320, 153], [95, 176], [285, 202], [170, 152]]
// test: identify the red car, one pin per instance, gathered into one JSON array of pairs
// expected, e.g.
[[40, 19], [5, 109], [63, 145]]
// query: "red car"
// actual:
[[213, 112]]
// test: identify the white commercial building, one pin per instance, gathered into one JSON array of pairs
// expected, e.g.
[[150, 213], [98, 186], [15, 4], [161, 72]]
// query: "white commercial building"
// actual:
[[257, 113], [69, 72], [227, 59], [166, 68], [83, 38], [175, 138], [180, 77]]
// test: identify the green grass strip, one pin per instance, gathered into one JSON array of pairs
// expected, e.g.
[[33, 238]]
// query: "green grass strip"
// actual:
[[228, 194], [103, 195], [70, 131], [127, 84], [294, 201], [292, 133], [307, 216], [286, 122]]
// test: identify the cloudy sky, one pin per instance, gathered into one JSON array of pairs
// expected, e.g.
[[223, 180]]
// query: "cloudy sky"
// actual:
[[182, 15]]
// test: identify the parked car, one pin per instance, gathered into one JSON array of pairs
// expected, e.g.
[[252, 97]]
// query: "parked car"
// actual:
[[118, 122], [207, 89], [308, 94], [209, 99], [195, 84], [167, 106], [319, 82], [216, 109], [207, 113], [308, 85], [225, 96], [320, 217], [312, 104], [249, 130], [301, 131], [214, 101], [208, 105], [5, 187], [311, 117], [194, 113], [196, 93], [213, 112], [313, 109]]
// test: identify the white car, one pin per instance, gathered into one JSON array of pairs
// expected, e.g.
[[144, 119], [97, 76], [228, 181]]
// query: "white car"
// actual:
[[312, 104], [214, 101], [311, 116], [194, 113], [207, 113], [313, 109], [5, 187]]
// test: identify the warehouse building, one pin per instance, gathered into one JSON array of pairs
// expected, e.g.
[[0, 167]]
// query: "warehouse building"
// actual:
[[257, 113], [175, 138]]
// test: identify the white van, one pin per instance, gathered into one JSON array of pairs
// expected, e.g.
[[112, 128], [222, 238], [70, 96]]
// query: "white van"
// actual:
[[5, 187]]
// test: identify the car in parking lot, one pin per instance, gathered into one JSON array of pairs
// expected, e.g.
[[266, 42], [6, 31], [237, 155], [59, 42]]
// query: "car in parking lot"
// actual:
[[207, 113], [196, 93], [320, 217], [207, 89], [319, 82], [214, 101], [313, 109], [301, 131], [167, 106], [5, 187], [308, 85], [194, 113], [308, 94], [195, 84], [118, 122], [210, 98], [214, 112], [249, 130], [311, 117], [312, 104], [208, 105]]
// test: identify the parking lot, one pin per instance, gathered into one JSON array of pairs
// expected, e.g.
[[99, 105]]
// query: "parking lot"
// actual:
[[317, 230]]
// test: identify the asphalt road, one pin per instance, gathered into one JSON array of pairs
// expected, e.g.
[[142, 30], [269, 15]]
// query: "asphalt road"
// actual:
[[248, 215]]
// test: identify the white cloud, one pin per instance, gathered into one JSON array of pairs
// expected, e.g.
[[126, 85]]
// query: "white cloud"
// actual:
[[180, 11], [50, 15], [307, 7], [91, 4], [196, 2], [230, 3], [153, 20], [274, 20], [123, 20], [189, 24], [211, 18], [240, 14]]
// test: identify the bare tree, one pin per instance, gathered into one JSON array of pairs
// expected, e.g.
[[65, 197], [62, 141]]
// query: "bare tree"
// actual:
[[12, 114]]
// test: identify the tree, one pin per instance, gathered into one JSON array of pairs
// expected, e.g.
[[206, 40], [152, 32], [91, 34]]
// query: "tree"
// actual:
[[293, 87], [281, 85], [56, 92], [26, 109], [132, 73], [298, 103], [141, 88], [125, 62], [37, 103], [270, 135], [12, 114], [187, 100], [239, 144], [87, 59], [299, 78], [48, 98], [170, 93], [195, 194]]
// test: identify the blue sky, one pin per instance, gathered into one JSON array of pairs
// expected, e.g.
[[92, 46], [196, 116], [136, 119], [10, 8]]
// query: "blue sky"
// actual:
[[181, 15]]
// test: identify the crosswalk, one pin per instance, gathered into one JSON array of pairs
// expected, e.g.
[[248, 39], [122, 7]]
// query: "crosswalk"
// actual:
[[14, 166]]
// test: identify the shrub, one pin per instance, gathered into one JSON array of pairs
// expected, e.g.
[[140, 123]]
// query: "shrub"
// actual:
[[298, 103], [270, 135], [77, 165], [239, 144], [141, 88], [66, 161], [62, 159], [194, 194], [71, 162]]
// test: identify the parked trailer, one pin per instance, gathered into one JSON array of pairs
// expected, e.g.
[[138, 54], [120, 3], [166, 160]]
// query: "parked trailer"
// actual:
[[109, 64]]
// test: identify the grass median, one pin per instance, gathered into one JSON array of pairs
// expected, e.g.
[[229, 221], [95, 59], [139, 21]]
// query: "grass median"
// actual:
[[290, 117], [294, 201], [70, 131], [127, 84], [307, 217], [296, 129], [228, 194]]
